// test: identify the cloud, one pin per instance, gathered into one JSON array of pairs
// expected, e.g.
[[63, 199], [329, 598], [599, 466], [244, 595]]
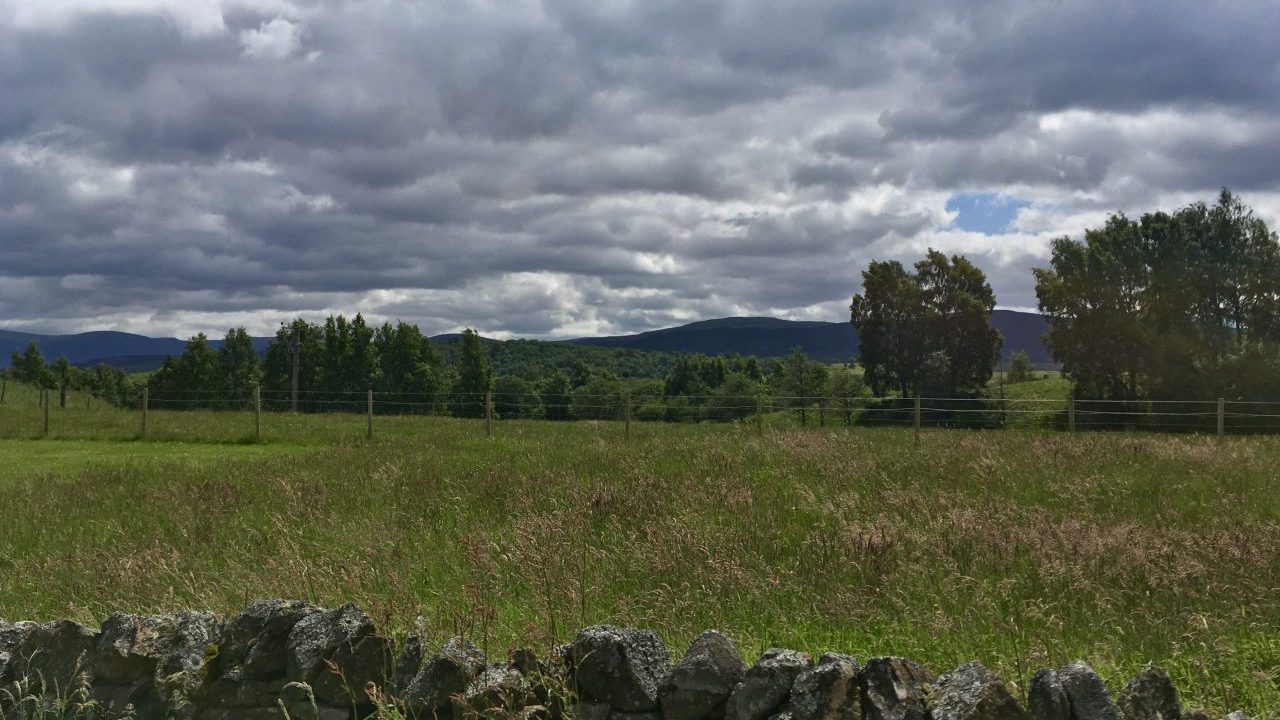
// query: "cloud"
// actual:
[[276, 39], [569, 167]]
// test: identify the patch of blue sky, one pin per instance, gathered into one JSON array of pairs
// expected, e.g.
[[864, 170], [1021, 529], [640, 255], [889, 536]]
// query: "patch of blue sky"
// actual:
[[987, 213]]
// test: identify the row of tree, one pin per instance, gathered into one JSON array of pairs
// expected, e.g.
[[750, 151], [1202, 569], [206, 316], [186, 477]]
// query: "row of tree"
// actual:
[[102, 381]]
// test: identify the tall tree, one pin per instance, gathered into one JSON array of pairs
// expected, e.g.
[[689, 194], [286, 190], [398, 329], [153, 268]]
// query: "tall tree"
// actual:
[[239, 362], [1170, 306], [408, 364], [29, 366], [934, 320], [475, 378]]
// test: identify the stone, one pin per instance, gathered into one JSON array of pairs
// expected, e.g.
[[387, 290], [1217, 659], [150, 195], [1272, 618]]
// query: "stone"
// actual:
[[1195, 715], [1088, 696], [11, 635], [893, 688], [57, 655], [408, 662], [765, 687], [591, 711], [827, 692], [535, 712], [1237, 715], [443, 675], [971, 692], [1046, 698], [623, 667], [170, 650], [254, 644], [243, 693], [337, 653], [499, 686], [1150, 696], [525, 660], [701, 683]]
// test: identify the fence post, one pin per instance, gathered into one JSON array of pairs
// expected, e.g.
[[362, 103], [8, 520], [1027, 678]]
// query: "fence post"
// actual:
[[369, 414], [46, 412], [626, 416], [257, 411], [146, 401], [1222, 417], [759, 415], [917, 423], [488, 413], [1071, 413], [4, 387]]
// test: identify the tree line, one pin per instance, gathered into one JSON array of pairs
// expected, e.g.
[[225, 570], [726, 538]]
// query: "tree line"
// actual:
[[102, 381]]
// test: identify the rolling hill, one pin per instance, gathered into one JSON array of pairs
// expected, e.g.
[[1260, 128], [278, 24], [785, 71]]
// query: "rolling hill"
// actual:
[[760, 336], [829, 341]]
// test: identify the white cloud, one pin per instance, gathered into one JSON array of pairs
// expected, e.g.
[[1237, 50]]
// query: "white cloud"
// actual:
[[275, 39]]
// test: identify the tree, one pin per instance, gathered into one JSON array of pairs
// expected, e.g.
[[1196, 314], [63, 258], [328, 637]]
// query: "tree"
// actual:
[[804, 383], [29, 366], [556, 398], [1019, 367], [600, 399], [239, 362], [475, 378], [61, 372], [1168, 306], [846, 389], [408, 364], [935, 318], [277, 364], [735, 398], [515, 397]]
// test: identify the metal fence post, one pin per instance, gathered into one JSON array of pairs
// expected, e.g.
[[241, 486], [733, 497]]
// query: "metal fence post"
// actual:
[[1222, 417]]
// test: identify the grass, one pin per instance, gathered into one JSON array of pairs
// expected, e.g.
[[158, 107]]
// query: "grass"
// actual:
[[1020, 550]]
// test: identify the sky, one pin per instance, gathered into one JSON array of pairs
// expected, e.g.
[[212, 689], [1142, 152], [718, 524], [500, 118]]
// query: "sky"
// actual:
[[587, 167]]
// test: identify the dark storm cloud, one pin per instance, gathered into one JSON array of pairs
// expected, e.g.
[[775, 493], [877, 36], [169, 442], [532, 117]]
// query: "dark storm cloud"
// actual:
[[570, 167]]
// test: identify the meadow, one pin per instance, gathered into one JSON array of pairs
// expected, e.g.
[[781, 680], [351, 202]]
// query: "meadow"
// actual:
[[1018, 549]]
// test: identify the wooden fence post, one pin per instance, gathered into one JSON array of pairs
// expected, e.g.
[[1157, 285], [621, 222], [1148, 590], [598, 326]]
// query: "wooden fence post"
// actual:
[[1222, 417], [488, 413], [759, 415], [4, 387], [917, 423], [626, 416], [146, 401], [369, 414], [1071, 413], [46, 412], [257, 411]]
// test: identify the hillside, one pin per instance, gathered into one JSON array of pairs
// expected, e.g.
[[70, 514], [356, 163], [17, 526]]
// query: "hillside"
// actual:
[[833, 342], [763, 337]]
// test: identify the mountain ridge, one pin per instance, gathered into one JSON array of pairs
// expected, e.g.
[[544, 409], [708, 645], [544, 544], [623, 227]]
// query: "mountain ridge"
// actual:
[[762, 336]]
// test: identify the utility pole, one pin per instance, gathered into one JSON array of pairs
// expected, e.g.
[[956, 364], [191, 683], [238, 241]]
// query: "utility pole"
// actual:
[[295, 352]]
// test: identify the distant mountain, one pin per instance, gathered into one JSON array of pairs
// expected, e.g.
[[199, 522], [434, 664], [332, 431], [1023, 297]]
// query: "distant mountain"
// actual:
[[759, 336], [828, 341], [118, 349]]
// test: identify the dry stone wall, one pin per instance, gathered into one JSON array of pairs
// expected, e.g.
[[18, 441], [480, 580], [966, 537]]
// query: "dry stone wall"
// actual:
[[288, 659]]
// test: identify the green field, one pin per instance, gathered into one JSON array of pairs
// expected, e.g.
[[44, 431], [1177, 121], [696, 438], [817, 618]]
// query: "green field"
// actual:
[[1019, 549]]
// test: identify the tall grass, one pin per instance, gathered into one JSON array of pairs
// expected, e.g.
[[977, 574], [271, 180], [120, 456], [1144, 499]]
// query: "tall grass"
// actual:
[[1015, 549]]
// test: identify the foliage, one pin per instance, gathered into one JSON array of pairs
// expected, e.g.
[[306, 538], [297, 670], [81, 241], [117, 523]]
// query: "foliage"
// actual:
[[475, 377], [1181, 305], [928, 330], [1020, 367]]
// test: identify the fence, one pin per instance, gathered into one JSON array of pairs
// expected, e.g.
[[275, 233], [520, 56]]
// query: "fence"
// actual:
[[1220, 416]]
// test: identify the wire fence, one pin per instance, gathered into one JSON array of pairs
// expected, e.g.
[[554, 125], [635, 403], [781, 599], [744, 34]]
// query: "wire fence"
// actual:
[[1214, 416]]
